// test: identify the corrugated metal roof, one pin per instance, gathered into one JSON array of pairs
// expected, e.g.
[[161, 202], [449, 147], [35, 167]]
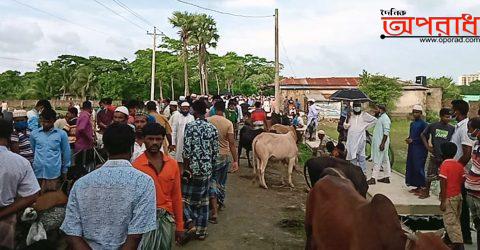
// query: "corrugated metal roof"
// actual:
[[321, 81]]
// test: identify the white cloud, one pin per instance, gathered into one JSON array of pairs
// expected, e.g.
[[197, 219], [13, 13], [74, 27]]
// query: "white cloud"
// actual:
[[321, 37], [16, 37], [248, 3]]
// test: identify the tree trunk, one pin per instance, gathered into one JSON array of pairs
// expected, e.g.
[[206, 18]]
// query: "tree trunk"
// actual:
[[185, 68], [205, 70], [171, 85], [161, 88], [218, 85], [200, 71]]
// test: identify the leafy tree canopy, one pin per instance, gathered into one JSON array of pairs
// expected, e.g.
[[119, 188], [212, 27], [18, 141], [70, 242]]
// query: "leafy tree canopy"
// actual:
[[380, 88]]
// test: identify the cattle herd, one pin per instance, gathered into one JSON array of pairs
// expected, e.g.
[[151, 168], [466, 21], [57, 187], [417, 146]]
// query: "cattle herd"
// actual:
[[338, 214]]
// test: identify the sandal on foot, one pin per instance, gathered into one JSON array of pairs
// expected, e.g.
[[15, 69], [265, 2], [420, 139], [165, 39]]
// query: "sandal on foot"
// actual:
[[213, 220], [188, 236]]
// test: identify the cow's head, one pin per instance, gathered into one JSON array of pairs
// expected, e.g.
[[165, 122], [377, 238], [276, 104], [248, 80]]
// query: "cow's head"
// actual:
[[425, 241]]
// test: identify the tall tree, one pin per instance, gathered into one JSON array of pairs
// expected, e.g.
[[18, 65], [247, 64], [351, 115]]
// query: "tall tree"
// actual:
[[184, 22], [204, 35], [450, 90], [85, 83]]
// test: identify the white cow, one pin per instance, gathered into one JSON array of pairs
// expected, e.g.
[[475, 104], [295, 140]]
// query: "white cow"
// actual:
[[278, 146]]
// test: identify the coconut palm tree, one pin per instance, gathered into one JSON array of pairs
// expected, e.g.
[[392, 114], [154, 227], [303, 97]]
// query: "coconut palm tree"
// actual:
[[184, 22], [205, 34], [67, 79], [85, 83]]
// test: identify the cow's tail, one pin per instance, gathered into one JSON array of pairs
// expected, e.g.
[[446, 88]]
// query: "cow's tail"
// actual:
[[305, 173], [255, 158]]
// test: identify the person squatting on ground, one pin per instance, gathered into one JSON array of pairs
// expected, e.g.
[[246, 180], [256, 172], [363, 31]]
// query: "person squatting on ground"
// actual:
[[200, 154]]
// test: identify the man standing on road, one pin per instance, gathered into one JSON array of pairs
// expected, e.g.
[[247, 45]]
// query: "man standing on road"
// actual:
[[165, 174], [472, 182], [417, 152], [227, 149], [52, 155], [18, 185], [464, 152], [312, 120], [34, 114], [380, 143], [84, 137], [111, 207], [178, 122], [259, 117], [120, 115], [105, 115], [438, 133], [21, 136], [139, 146], [357, 125], [163, 121], [199, 156]]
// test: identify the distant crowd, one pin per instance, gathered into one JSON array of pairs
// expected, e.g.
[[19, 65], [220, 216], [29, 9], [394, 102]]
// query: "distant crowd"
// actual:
[[160, 166]]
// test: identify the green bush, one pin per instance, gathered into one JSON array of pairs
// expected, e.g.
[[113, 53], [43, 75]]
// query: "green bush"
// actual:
[[431, 116]]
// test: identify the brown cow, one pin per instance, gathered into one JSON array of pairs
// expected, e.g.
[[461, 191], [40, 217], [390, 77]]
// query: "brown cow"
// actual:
[[279, 146], [337, 217], [283, 129]]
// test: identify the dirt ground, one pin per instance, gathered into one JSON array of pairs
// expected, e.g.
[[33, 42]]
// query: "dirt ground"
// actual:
[[256, 218]]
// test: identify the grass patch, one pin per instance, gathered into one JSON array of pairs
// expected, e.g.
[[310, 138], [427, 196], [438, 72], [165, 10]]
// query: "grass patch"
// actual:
[[304, 153], [398, 133]]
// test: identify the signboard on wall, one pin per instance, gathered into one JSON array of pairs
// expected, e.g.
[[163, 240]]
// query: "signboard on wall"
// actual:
[[328, 110]]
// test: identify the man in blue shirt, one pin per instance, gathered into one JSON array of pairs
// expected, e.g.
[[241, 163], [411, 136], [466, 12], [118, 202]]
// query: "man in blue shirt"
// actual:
[[52, 152], [111, 207], [33, 115]]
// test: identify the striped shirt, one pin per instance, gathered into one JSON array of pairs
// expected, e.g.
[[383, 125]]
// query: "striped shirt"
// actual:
[[25, 148], [472, 182]]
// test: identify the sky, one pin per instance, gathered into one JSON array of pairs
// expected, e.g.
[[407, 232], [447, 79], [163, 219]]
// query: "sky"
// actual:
[[318, 37]]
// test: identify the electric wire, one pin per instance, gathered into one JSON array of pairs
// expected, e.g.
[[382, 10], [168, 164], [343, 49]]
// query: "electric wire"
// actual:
[[60, 18], [224, 12], [118, 14]]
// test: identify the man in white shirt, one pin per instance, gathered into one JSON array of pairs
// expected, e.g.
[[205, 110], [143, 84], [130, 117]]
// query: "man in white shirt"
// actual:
[[178, 121], [139, 146], [464, 150], [357, 125], [18, 184]]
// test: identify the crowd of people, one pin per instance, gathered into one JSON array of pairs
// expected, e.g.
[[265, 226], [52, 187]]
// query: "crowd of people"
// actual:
[[452, 152], [166, 172], [168, 163]]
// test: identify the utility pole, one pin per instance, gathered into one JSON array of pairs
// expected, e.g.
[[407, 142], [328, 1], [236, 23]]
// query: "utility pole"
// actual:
[[152, 85], [278, 97], [171, 85]]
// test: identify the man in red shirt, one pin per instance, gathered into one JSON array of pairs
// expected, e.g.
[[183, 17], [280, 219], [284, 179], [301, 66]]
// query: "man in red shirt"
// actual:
[[451, 181], [165, 173], [259, 117]]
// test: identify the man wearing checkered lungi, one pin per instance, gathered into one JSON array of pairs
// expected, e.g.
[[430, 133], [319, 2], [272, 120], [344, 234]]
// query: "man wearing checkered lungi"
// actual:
[[200, 153]]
